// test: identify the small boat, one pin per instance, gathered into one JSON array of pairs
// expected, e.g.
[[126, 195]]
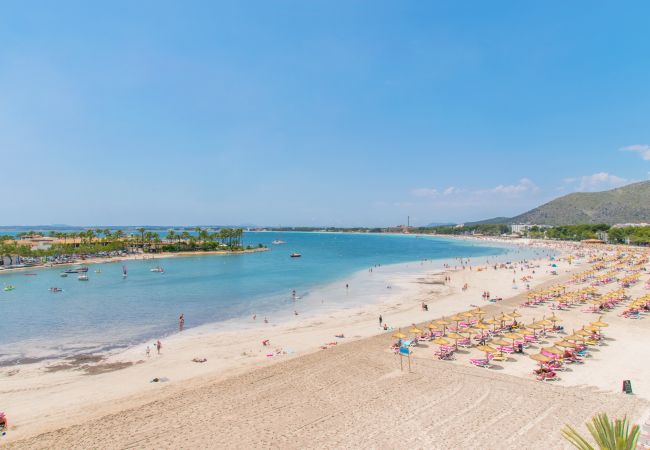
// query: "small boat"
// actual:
[[124, 272], [158, 269], [295, 255], [98, 270], [9, 287], [55, 289], [83, 277], [77, 270], [63, 275], [278, 242], [29, 274]]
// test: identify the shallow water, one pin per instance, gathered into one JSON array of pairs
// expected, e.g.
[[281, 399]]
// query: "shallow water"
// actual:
[[111, 312]]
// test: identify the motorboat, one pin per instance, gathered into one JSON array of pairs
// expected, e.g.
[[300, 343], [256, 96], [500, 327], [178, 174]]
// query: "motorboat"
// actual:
[[158, 269], [124, 272], [63, 275], [295, 255], [98, 270], [278, 242], [77, 270], [83, 277], [55, 289], [9, 287]]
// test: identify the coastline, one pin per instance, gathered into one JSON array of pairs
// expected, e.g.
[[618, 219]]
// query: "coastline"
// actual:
[[135, 257], [66, 384], [77, 400]]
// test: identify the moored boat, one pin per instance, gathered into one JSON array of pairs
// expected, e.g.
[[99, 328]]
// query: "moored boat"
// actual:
[[158, 269], [83, 277], [295, 255]]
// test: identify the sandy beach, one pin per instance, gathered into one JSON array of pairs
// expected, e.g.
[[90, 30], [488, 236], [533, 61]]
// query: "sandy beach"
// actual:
[[308, 388]]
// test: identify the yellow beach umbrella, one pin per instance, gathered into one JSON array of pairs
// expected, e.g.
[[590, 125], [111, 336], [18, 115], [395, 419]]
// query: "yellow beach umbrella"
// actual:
[[514, 313], [467, 314], [501, 342], [486, 349], [600, 323], [565, 344], [583, 332], [431, 326], [442, 322], [553, 350], [479, 312], [540, 358], [399, 334], [415, 330], [441, 341]]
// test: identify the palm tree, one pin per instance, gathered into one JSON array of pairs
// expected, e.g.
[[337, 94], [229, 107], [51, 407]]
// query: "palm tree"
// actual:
[[141, 230], [609, 435], [171, 235]]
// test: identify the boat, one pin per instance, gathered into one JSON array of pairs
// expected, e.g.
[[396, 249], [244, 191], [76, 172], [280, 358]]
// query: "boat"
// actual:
[[278, 242], [83, 277], [9, 287], [124, 272], [158, 269], [98, 270], [77, 270], [63, 275], [295, 255], [55, 289]]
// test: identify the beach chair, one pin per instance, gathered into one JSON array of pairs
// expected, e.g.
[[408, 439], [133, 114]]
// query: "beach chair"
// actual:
[[506, 349], [484, 363]]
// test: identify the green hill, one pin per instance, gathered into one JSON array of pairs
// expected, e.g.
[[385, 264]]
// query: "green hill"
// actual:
[[627, 204]]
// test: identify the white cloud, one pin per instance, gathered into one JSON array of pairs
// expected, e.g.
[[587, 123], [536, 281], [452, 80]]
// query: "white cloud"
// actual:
[[642, 149], [452, 190], [599, 180], [524, 185]]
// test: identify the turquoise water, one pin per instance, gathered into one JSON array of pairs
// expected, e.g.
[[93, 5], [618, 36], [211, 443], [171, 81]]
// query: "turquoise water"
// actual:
[[111, 312]]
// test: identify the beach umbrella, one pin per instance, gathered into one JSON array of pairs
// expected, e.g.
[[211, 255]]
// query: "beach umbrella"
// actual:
[[583, 332], [441, 341], [486, 349], [554, 318], [565, 344], [514, 313], [540, 358], [456, 318], [467, 314], [553, 350], [574, 337], [512, 336], [479, 312], [600, 323], [399, 334], [455, 337], [431, 326], [500, 342], [415, 330], [444, 324]]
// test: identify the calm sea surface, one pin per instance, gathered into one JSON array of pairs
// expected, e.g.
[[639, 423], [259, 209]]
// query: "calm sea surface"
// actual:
[[111, 312]]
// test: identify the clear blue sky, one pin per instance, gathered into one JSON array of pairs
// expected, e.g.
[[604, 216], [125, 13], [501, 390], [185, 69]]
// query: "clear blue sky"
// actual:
[[316, 112]]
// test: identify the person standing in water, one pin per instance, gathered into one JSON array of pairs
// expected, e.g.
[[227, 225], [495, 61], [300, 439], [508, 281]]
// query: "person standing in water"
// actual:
[[158, 346], [181, 322]]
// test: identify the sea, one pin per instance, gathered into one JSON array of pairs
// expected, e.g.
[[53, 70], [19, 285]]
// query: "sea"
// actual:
[[109, 312]]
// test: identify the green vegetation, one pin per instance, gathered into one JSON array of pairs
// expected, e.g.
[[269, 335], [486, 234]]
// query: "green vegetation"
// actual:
[[97, 241], [482, 229], [609, 435], [627, 204]]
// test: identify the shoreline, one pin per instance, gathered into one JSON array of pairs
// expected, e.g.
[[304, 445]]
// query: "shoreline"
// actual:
[[295, 338], [135, 257]]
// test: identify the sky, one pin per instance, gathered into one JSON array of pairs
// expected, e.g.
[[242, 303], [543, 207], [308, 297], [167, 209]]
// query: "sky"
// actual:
[[338, 113]]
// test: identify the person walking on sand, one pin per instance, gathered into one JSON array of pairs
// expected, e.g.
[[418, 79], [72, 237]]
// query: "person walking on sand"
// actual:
[[158, 346], [148, 352], [181, 322], [381, 319]]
